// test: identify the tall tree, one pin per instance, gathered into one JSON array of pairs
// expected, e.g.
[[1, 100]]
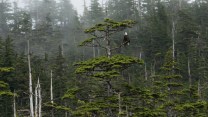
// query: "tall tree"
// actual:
[[122, 9], [103, 70], [96, 13], [5, 8]]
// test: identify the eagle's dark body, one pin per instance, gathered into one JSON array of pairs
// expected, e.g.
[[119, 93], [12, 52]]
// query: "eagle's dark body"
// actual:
[[126, 40]]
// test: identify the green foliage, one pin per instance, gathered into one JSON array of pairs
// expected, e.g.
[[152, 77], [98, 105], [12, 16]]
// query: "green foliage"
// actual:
[[57, 107], [89, 40], [122, 9], [192, 109], [6, 69], [103, 86], [106, 67], [146, 112], [70, 94], [4, 89], [110, 24]]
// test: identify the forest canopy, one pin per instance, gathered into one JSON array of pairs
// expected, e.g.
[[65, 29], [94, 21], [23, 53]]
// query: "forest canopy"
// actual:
[[55, 62]]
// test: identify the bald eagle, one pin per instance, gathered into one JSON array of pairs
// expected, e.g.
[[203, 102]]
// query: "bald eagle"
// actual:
[[126, 39]]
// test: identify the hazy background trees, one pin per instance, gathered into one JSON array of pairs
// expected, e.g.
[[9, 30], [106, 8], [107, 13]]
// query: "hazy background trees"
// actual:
[[171, 37]]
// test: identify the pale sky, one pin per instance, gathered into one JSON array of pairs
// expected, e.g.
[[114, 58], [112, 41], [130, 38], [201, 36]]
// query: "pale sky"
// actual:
[[78, 4]]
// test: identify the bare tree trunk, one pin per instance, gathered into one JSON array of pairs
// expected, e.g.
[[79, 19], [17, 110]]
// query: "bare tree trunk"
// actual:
[[145, 71], [62, 49], [173, 40], [129, 78], [14, 105], [153, 68], [108, 89], [36, 101], [189, 73], [52, 113], [140, 55], [39, 100], [140, 11], [93, 49], [127, 112], [106, 8], [119, 104], [108, 49], [180, 3], [108, 94], [98, 49], [30, 83], [51, 86], [66, 113], [199, 89]]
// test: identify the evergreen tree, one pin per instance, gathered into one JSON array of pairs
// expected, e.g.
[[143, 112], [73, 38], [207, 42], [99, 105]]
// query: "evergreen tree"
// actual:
[[122, 9], [6, 71], [105, 71], [5, 8], [8, 58], [60, 79], [96, 13]]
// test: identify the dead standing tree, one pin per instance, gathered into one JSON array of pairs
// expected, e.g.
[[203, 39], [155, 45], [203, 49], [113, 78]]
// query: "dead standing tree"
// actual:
[[30, 82]]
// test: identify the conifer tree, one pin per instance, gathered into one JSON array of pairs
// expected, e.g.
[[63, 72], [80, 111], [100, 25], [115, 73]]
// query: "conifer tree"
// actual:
[[5, 8], [105, 71], [6, 73]]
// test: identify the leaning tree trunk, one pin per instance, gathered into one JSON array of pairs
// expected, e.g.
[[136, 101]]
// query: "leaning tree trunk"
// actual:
[[30, 82]]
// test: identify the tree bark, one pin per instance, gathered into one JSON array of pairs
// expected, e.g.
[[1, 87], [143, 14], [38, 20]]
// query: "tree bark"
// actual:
[[140, 55], [145, 70], [173, 40], [51, 86], [14, 105], [127, 112], [119, 104], [36, 101], [39, 100], [93, 49], [52, 113], [30, 82], [108, 47], [199, 89], [189, 73], [66, 113]]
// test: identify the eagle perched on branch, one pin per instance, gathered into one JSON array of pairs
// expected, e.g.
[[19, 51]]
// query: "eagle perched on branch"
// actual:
[[126, 40]]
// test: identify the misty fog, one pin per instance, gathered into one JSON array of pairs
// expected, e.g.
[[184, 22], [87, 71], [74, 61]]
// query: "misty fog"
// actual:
[[103, 58]]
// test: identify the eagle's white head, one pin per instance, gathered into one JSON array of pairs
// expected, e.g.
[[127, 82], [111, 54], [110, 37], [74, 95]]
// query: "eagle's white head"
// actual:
[[125, 33]]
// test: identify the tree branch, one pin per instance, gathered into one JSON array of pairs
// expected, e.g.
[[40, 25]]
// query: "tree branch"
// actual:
[[119, 46]]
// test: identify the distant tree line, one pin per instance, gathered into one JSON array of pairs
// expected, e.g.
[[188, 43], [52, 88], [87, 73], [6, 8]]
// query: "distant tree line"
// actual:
[[162, 73]]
